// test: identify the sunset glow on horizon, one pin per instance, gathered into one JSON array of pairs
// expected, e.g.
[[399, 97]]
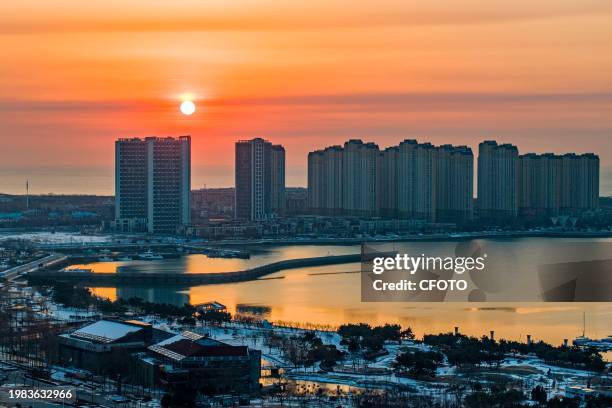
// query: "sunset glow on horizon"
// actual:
[[74, 76]]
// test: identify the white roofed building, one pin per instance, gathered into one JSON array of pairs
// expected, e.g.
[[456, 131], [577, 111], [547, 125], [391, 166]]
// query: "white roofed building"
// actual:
[[104, 346]]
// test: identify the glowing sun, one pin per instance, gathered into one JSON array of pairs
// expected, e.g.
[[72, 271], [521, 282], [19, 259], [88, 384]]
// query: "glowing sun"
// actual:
[[187, 107]]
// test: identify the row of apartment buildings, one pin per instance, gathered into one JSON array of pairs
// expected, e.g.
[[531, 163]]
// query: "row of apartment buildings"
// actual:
[[409, 181], [436, 183], [510, 184]]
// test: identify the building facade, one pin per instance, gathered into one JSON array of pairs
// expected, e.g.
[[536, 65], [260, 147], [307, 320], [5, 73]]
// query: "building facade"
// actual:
[[260, 180], [325, 181], [131, 178], [277, 180], [296, 199], [579, 183], [498, 173], [454, 183], [415, 180], [359, 179], [387, 180], [215, 203], [152, 184], [539, 184]]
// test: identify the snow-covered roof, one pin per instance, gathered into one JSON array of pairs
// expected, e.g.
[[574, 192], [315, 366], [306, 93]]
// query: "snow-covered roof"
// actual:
[[187, 335], [105, 331], [188, 344]]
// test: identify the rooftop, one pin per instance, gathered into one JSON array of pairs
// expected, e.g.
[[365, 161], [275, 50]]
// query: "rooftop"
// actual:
[[106, 331], [211, 305], [188, 344]]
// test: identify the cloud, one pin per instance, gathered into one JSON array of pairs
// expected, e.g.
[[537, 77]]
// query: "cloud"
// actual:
[[390, 102], [114, 16], [419, 100], [24, 105]]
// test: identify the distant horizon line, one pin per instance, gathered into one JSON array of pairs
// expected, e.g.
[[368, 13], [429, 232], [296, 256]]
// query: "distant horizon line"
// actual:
[[113, 195], [51, 194]]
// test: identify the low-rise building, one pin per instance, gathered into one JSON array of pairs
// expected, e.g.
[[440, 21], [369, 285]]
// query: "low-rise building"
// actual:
[[105, 346], [209, 306], [203, 364], [585, 393]]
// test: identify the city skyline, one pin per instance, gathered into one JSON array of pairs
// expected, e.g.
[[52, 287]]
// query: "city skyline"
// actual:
[[602, 171], [534, 75], [328, 203]]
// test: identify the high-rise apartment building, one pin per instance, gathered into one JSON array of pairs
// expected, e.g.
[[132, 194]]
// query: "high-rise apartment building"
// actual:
[[454, 183], [277, 179], [342, 180], [325, 181], [498, 171], [359, 174], [539, 184], [152, 184], [131, 190], [387, 182], [579, 183], [260, 180], [415, 182]]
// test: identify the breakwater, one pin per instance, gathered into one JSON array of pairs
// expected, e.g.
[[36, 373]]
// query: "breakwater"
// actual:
[[163, 278]]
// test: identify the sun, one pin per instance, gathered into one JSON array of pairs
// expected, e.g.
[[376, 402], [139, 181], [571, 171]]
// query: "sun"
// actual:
[[187, 107]]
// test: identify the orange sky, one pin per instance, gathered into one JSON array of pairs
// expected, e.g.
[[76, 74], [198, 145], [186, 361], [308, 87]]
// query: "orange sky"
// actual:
[[76, 75]]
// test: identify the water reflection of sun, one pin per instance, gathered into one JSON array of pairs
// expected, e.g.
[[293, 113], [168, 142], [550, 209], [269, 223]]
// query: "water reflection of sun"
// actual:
[[105, 293]]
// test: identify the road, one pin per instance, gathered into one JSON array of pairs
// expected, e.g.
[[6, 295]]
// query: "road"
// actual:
[[103, 395], [18, 271]]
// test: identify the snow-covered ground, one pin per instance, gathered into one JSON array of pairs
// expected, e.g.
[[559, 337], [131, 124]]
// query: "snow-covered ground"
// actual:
[[55, 237], [355, 374], [69, 314]]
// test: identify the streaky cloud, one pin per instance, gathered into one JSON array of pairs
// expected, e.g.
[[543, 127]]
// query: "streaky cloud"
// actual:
[[407, 100], [285, 16]]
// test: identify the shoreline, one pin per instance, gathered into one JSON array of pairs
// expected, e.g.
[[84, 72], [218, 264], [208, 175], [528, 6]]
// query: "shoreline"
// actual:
[[418, 238], [284, 241]]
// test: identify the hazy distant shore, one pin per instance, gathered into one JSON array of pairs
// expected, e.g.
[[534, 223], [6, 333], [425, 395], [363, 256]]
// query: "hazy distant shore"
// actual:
[[418, 238], [460, 236]]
